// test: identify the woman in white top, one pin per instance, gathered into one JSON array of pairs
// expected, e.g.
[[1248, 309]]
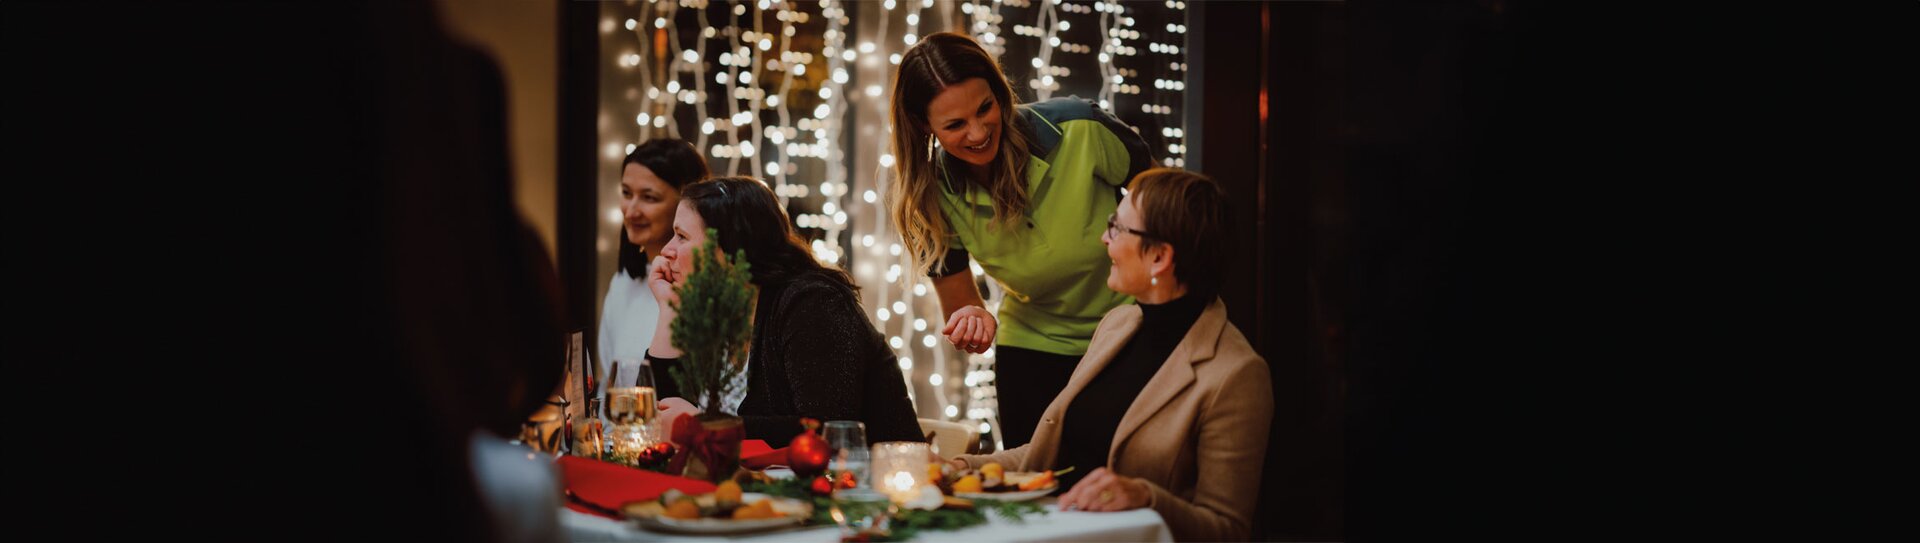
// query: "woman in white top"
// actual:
[[650, 183]]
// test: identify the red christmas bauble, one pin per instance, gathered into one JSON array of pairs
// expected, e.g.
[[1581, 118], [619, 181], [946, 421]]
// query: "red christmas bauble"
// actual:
[[821, 486], [807, 454]]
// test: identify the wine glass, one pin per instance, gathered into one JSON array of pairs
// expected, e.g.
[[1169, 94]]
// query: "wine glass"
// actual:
[[636, 404]]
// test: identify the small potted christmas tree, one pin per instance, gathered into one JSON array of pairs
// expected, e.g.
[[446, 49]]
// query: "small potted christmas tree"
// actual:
[[713, 331]]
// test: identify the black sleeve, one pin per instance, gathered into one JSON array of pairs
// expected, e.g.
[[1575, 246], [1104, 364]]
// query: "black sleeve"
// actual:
[[828, 347], [955, 262], [664, 385]]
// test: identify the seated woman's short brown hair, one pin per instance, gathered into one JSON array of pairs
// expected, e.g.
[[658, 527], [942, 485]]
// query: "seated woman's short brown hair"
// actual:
[[1188, 211]]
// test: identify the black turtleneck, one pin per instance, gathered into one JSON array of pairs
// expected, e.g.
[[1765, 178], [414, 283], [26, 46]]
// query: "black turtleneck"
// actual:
[[1086, 433]]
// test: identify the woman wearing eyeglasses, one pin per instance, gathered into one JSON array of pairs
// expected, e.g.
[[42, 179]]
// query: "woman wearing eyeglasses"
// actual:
[[1022, 190], [1169, 409]]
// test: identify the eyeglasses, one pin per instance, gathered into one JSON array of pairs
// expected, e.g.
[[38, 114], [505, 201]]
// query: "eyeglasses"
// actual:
[[1114, 228]]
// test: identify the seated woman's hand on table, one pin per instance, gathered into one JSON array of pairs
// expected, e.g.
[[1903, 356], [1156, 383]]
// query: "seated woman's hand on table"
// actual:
[[1104, 490], [671, 409]]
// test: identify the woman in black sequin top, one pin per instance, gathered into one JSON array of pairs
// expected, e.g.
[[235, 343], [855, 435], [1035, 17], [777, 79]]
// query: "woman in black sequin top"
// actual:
[[814, 353]]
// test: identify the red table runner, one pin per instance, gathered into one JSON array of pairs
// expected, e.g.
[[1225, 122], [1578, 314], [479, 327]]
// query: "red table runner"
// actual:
[[610, 485]]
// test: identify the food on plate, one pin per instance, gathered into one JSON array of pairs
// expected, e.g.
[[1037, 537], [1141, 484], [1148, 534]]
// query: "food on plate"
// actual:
[[727, 494], [1042, 481], [725, 502], [992, 478], [683, 509], [993, 470], [759, 509], [969, 483]]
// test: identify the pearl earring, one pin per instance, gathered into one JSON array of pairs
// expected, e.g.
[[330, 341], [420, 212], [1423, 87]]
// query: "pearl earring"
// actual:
[[1155, 281]]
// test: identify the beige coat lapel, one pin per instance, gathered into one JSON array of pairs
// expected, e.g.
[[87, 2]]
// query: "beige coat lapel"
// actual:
[[1174, 376]]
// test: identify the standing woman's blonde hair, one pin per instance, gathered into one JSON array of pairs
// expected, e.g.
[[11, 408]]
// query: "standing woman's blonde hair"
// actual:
[[939, 61]]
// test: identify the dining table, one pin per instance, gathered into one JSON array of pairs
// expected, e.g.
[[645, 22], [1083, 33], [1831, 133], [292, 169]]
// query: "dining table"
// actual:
[[1056, 525], [596, 489]]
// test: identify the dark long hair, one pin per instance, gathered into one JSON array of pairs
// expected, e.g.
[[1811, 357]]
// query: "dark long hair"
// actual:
[[676, 162], [748, 216]]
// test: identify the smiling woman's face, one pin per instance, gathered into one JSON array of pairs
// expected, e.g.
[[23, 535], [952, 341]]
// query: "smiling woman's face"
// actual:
[[689, 233], [1130, 270], [646, 207], [966, 120]]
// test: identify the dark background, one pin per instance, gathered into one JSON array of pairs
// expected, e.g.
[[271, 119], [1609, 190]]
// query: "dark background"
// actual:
[[1505, 260], [1533, 269]]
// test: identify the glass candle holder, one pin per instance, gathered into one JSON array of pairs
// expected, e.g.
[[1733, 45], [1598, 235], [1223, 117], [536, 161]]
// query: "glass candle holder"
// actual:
[[900, 469], [635, 444]]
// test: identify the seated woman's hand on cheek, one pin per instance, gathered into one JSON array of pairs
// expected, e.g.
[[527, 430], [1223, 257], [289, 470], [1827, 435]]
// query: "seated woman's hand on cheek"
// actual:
[[1104, 490], [669, 271], [663, 280]]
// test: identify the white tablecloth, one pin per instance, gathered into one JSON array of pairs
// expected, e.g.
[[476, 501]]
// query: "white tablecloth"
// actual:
[[1135, 525]]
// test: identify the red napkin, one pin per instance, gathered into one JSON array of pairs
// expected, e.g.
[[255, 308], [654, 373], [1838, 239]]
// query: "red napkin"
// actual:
[[753, 447], [610, 485], [762, 460]]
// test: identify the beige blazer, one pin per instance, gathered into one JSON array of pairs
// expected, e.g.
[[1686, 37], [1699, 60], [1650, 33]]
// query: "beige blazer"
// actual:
[[1197, 434]]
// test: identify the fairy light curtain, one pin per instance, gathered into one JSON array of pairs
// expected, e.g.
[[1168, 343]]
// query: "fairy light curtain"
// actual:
[[795, 93]]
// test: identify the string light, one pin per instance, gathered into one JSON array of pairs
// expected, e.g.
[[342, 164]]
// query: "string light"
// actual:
[[768, 122]]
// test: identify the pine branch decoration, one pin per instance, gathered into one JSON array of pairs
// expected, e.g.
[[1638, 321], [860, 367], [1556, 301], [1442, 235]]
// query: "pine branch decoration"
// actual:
[[715, 324]]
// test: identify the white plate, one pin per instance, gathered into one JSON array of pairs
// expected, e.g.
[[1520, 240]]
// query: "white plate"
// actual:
[[1018, 496], [648, 515]]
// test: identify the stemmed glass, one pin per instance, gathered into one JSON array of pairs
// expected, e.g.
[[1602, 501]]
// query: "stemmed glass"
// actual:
[[858, 508], [636, 403]]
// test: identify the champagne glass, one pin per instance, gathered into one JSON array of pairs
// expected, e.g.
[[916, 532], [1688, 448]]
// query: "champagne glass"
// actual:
[[613, 376], [648, 401]]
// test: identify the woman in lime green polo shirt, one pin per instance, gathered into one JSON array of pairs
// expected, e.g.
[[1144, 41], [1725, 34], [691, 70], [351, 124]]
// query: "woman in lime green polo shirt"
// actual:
[[1025, 190]]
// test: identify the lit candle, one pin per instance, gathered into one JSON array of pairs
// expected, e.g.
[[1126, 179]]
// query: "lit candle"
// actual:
[[901, 469]]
